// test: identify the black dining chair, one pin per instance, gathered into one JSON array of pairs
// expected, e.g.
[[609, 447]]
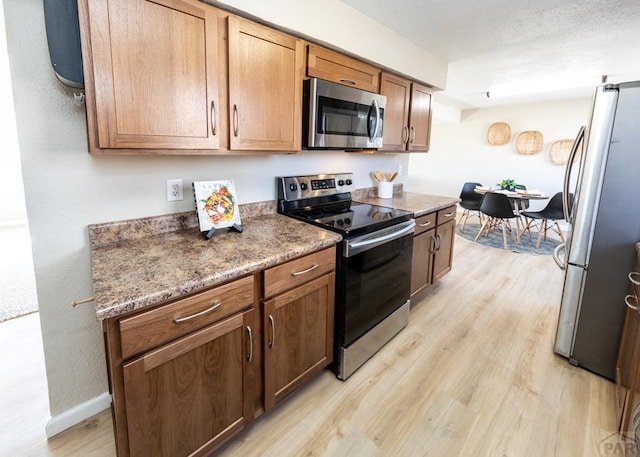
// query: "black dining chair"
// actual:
[[498, 209], [548, 217], [470, 201]]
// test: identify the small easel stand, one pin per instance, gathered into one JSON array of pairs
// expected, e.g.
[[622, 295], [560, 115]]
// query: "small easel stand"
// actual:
[[235, 228]]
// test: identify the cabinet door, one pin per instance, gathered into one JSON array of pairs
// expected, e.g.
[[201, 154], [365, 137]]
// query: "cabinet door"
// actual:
[[422, 261], [298, 333], [154, 65], [265, 88], [396, 115], [443, 257], [420, 118], [189, 396], [338, 68]]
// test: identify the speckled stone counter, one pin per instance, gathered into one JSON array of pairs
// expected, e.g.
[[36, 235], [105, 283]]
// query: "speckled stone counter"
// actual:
[[144, 262], [418, 204]]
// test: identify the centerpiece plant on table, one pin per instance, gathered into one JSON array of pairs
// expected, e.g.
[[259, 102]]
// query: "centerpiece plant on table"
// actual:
[[508, 184]]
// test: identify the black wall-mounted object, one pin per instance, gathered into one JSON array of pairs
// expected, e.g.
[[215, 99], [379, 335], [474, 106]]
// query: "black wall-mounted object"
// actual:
[[63, 36]]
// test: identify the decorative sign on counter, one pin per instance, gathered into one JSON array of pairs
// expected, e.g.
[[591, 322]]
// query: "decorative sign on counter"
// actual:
[[217, 206]]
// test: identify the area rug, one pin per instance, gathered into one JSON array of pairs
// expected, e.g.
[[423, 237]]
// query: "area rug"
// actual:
[[17, 280], [526, 246]]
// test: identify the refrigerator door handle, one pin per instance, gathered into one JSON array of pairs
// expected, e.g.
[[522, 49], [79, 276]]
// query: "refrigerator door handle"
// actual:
[[567, 174], [556, 256]]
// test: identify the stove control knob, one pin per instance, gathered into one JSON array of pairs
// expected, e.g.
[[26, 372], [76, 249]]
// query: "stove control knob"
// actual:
[[303, 186], [349, 182], [347, 220], [341, 182], [293, 187]]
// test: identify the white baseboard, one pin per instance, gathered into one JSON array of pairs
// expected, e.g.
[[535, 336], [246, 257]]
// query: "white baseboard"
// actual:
[[77, 414]]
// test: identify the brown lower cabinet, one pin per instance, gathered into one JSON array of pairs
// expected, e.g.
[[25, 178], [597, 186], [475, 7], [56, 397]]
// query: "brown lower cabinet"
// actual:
[[432, 249], [298, 336], [628, 364], [187, 375], [191, 395]]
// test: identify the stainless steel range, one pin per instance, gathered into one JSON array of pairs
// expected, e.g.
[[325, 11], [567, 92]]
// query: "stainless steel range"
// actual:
[[373, 274]]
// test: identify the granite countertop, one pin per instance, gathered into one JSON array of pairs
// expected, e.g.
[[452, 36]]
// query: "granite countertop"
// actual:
[[136, 264], [418, 204]]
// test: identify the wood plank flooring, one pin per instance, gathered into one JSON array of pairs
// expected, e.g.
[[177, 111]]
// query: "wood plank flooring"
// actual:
[[473, 374]]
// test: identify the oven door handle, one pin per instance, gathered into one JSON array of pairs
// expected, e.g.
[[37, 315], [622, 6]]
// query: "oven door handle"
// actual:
[[358, 245]]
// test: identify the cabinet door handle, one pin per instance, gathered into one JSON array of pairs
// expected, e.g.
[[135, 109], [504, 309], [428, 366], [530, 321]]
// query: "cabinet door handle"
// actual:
[[405, 134], [433, 245], [629, 297], [413, 134], [250, 356], [177, 320], [273, 331], [439, 237], [350, 81], [311, 268], [235, 120], [425, 224], [634, 281], [448, 215], [214, 120]]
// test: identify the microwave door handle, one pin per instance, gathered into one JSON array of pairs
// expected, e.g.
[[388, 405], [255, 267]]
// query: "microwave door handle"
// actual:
[[375, 106], [567, 174]]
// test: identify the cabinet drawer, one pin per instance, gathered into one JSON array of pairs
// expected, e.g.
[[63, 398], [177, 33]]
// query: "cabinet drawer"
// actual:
[[160, 325], [298, 271], [424, 223], [341, 69], [446, 214]]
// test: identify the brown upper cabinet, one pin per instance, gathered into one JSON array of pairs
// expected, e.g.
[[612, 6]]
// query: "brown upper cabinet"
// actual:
[[156, 80], [265, 88], [151, 74], [332, 66], [407, 117]]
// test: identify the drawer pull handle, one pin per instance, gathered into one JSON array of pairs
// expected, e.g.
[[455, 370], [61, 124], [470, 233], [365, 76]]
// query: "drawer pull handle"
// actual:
[[631, 278], [216, 305], [250, 356], [350, 81], [448, 215], [273, 331], [629, 297], [311, 268], [425, 224]]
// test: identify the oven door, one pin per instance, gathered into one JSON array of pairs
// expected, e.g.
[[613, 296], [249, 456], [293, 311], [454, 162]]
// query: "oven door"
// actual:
[[376, 279]]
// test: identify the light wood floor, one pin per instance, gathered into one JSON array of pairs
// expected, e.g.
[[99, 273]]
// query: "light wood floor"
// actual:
[[473, 375]]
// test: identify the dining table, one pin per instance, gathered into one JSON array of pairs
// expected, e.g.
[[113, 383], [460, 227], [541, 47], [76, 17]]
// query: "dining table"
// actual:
[[518, 198]]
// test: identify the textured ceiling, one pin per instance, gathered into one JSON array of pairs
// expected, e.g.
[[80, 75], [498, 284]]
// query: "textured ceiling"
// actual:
[[489, 43]]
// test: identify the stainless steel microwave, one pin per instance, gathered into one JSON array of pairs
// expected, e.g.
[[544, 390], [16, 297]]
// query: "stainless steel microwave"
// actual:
[[341, 117]]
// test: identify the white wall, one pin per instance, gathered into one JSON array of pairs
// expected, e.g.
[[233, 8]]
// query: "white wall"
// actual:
[[12, 204], [67, 189], [460, 152], [338, 24]]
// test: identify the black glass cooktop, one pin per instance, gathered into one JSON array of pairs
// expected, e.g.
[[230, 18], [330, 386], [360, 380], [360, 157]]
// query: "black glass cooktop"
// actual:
[[353, 218]]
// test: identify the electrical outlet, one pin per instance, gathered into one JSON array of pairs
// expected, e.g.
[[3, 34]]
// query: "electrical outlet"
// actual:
[[174, 190]]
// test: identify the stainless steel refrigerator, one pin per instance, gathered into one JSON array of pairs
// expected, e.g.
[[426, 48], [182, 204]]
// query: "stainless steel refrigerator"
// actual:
[[605, 225]]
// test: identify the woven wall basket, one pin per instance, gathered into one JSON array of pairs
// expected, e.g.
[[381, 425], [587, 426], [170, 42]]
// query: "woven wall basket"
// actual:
[[529, 143], [499, 133], [559, 152]]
